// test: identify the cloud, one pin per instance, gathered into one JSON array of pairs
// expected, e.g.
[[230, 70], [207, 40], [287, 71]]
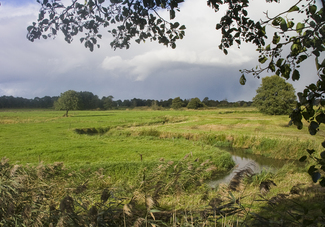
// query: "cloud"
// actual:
[[143, 65], [196, 68]]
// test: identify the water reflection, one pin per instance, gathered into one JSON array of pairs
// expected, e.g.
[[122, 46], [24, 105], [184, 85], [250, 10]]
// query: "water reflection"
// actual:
[[243, 159]]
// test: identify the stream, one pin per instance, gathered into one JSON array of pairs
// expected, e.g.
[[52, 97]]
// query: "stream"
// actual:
[[243, 159]]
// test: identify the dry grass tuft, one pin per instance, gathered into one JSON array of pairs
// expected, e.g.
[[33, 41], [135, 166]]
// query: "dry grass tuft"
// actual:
[[149, 202], [127, 209], [139, 222]]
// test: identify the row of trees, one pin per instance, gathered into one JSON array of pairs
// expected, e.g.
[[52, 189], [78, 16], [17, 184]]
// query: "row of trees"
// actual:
[[274, 96], [86, 100], [19, 102]]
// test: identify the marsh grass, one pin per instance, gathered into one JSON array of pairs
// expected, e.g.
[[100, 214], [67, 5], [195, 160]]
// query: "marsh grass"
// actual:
[[171, 194]]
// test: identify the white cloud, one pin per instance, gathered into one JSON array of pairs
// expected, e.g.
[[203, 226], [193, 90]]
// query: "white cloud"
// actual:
[[7, 10], [111, 63]]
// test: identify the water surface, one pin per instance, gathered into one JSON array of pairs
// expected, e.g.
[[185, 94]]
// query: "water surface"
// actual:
[[244, 159]]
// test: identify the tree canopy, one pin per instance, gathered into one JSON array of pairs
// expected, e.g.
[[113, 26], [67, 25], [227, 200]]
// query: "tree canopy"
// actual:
[[128, 19], [195, 103], [67, 101], [177, 103], [275, 96]]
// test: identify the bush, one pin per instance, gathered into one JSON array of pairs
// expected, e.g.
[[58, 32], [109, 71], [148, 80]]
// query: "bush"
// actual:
[[195, 104]]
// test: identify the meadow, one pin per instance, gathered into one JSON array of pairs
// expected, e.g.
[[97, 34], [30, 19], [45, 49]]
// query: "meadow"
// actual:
[[151, 164], [28, 136]]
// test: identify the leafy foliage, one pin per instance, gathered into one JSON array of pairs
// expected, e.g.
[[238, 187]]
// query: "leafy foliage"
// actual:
[[275, 96], [127, 20], [195, 104], [177, 103], [67, 101], [301, 38]]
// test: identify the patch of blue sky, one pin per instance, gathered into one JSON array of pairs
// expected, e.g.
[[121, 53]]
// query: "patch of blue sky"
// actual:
[[17, 2]]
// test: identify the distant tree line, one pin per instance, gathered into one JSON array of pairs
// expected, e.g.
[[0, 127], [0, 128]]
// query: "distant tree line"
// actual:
[[19, 102], [89, 101]]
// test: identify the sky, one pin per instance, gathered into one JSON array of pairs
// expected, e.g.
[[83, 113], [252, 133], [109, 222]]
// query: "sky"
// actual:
[[196, 68]]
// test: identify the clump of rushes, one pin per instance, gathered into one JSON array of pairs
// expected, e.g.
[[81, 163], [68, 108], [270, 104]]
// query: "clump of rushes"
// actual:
[[49, 195], [172, 194]]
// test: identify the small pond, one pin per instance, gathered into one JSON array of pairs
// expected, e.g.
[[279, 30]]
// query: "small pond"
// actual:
[[242, 159]]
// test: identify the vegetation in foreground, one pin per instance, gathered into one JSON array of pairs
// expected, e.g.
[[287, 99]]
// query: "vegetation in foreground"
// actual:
[[174, 194]]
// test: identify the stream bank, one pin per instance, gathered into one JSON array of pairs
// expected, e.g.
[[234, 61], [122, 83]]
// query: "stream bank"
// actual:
[[244, 159]]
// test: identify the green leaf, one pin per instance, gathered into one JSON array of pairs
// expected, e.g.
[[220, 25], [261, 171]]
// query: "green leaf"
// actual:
[[283, 25], [313, 128], [277, 21], [290, 24], [262, 59], [276, 39], [312, 9], [311, 169], [299, 125], [272, 66], [182, 27], [279, 62], [316, 53], [320, 118], [293, 8], [301, 58], [175, 25], [317, 63], [311, 151], [315, 176], [268, 47], [29, 28], [225, 51], [303, 158], [312, 24], [300, 27], [242, 80], [295, 75], [172, 14]]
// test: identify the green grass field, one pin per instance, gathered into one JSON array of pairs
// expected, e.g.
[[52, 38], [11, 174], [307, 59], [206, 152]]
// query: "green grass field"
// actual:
[[30, 136], [155, 160]]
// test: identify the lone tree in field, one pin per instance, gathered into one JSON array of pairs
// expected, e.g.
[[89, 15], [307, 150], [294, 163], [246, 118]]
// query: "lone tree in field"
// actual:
[[275, 96], [67, 101]]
